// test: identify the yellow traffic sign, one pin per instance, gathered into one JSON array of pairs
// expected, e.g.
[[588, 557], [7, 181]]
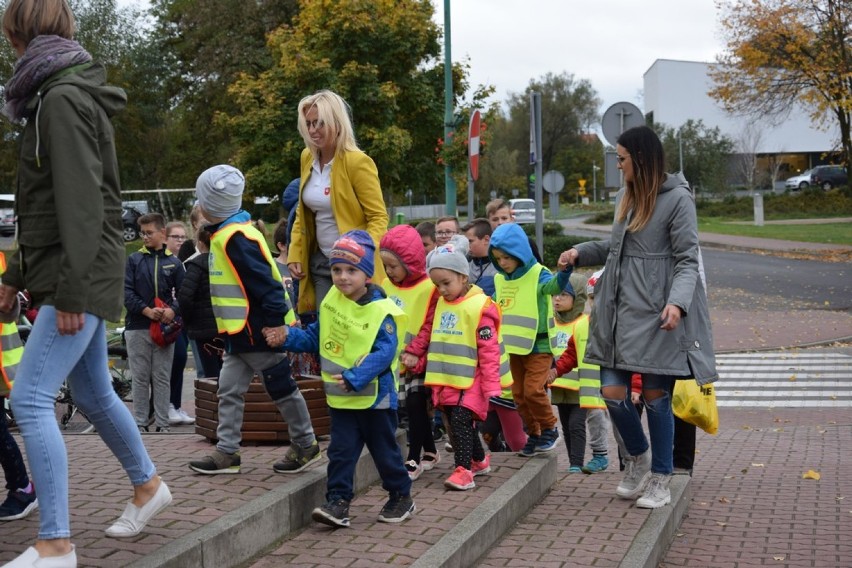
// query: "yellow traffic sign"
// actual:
[[582, 183]]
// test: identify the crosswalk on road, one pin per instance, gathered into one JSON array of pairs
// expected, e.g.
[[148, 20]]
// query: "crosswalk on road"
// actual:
[[784, 378]]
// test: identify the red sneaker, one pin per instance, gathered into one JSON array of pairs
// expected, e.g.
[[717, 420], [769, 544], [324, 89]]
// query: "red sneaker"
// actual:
[[461, 479], [481, 467]]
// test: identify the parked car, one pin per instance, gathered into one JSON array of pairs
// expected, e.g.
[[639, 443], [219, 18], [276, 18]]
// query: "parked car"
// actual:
[[827, 177], [129, 217], [7, 222], [523, 210], [800, 181]]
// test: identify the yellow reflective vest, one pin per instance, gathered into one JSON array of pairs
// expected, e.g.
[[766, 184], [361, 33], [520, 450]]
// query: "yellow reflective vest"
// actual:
[[586, 377], [11, 351], [413, 301], [227, 292], [347, 332], [518, 301], [453, 353]]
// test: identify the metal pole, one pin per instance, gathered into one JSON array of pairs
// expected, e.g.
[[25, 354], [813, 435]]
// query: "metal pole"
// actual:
[[595, 181], [449, 183], [680, 149], [539, 177]]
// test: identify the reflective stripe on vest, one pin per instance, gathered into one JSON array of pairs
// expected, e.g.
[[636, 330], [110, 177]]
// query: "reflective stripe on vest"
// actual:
[[586, 377], [453, 353], [414, 301], [11, 351], [518, 301], [347, 333], [227, 293]]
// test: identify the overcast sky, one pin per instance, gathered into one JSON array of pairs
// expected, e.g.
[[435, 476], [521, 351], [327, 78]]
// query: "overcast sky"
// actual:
[[609, 42]]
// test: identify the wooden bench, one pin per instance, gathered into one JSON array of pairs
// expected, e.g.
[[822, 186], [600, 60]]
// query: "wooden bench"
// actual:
[[261, 422]]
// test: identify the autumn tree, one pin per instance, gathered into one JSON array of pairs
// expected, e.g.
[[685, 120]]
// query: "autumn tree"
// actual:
[[785, 52]]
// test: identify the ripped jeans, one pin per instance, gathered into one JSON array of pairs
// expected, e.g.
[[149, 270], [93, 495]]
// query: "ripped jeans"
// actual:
[[660, 417]]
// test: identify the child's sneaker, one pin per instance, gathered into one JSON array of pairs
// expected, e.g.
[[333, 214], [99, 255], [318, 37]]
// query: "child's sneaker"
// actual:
[[574, 469], [174, 416], [481, 467], [448, 447], [547, 441], [333, 513], [637, 473], [217, 462], [461, 479], [438, 433], [298, 458], [429, 460], [597, 464], [18, 504], [528, 450], [414, 469], [397, 509]]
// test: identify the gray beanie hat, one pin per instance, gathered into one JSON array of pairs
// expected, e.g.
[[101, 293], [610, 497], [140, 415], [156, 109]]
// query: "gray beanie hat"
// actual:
[[220, 191], [451, 256]]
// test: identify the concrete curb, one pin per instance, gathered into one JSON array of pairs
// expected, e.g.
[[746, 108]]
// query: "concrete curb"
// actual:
[[653, 539], [490, 521], [239, 535]]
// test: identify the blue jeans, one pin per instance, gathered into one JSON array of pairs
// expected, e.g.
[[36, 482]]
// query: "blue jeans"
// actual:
[[48, 359], [350, 431], [660, 417]]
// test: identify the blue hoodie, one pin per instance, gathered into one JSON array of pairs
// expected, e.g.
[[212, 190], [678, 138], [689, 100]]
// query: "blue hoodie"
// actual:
[[511, 239]]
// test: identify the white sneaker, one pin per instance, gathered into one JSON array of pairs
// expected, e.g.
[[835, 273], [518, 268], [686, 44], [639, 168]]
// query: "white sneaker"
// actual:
[[30, 558], [637, 472], [184, 417], [658, 494], [174, 415], [134, 518]]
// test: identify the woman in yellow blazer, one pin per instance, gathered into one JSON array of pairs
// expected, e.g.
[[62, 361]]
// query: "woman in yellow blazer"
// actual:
[[339, 192]]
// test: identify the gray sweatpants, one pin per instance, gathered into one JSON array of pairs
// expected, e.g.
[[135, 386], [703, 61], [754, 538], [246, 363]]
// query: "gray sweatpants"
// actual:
[[238, 369], [598, 424], [150, 365]]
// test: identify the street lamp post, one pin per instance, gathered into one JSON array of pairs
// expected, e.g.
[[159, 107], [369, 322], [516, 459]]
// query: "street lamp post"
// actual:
[[680, 149], [595, 169]]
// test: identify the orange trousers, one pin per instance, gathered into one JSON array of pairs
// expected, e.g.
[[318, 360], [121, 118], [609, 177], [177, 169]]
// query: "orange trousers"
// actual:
[[529, 382]]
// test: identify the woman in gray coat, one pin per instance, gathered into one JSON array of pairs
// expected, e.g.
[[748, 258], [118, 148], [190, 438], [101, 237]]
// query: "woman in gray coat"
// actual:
[[650, 313]]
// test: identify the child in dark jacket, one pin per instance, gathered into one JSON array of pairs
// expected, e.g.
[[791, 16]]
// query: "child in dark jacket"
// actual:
[[197, 308], [410, 288], [246, 294], [358, 338]]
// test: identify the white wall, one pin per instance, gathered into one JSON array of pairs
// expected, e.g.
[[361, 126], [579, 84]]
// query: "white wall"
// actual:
[[676, 91]]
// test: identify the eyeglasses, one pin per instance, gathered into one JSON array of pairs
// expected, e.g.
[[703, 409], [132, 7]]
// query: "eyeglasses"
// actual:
[[147, 234], [315, 124], [445, 233], [621, 158], [178, 237]]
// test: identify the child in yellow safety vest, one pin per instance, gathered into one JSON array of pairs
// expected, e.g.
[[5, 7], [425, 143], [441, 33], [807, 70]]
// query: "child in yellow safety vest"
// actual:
[[575, 385], [465, 361], [21, 499], [358, 336], [410, 288], [522, 290]]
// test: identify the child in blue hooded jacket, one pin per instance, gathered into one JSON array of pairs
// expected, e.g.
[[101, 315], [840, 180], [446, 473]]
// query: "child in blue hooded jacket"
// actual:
[[522, 290]]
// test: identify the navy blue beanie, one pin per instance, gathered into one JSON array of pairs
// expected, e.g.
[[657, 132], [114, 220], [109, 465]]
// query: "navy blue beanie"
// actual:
[[355, 248]]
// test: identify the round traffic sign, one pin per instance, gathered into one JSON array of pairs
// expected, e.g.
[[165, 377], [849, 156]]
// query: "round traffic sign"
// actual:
[[553, 181], [473, 145]]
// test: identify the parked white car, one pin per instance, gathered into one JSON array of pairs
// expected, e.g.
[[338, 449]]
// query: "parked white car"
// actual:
[[801, 181], [523, 210]]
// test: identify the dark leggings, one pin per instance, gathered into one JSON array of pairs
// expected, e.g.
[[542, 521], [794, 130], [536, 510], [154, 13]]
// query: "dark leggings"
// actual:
[[466, 444], [10, 455], [178, 365], [573, 418], [420, 431]]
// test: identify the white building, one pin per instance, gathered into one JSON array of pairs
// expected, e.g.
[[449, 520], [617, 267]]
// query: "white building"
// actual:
[[676, 91]]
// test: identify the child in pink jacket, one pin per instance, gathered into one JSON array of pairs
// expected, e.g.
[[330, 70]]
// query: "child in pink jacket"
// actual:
[[465, 359]]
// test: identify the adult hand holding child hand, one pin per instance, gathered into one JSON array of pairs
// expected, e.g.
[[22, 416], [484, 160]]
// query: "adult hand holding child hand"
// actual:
[[275, 336]]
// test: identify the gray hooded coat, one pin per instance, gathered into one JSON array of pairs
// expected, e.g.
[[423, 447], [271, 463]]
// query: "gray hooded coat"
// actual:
[[646, 270]]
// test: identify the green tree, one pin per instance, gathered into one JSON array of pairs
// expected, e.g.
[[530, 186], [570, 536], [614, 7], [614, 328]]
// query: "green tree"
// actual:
[[380, 56], [781, 53], [569, 107], [705, 150]]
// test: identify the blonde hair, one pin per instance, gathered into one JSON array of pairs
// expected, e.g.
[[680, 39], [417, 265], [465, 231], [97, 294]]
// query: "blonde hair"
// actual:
[[23, 20], [648, 162], [334, 114]]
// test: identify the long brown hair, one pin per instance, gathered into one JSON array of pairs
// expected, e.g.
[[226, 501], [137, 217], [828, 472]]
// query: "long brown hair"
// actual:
[[648, 159]]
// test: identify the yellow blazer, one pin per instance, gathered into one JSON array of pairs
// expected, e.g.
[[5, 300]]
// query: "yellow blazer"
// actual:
[[357, 203]]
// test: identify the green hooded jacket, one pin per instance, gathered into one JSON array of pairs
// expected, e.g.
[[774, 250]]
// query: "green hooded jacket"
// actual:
[[68, 197]]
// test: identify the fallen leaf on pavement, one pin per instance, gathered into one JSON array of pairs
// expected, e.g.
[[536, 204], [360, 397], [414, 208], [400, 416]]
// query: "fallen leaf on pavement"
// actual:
[[811, 474], [757, 465], [779, 557], [724, 500], [721, 524]]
